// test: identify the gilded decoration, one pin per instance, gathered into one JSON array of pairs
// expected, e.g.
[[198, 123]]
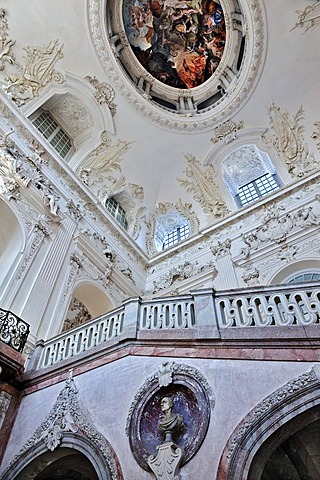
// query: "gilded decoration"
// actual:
[[36, 73], [180, 43], [171, 409], [200, 182], [308, 18], [286, 134]]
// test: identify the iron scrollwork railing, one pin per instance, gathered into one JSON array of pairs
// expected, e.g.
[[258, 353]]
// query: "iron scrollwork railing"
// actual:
[[13, 331]]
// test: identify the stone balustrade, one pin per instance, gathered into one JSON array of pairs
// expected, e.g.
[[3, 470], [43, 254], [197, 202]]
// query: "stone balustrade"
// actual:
[[216, 314]]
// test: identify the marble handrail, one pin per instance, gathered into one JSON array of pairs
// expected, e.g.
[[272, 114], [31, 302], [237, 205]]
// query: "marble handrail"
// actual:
[[203, 310]]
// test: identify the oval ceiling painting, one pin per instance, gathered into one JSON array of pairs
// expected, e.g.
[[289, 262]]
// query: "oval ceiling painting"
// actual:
[[180, 43]]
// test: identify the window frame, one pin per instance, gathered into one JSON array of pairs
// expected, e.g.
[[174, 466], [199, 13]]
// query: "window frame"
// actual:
[[54, 133], [117, 211], [180, 233]]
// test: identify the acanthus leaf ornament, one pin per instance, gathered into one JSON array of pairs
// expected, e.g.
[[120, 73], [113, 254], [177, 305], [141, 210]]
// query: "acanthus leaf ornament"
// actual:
[[36, 73], [200, 182], [286, 134]]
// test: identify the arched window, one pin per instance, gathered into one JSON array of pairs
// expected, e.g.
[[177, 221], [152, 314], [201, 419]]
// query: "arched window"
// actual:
[[53, 132], [250, 175], [171, 228], [175, 236], [117, 211], [309, 276]]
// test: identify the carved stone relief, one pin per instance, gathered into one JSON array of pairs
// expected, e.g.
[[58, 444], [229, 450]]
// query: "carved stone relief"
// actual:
[[38, 70], [65, 416], [172, 406], [276, 227], [309, 17], [200, 182], [98, 172], [286, 134], [104, 93], [221, 249], [78, 314], [227, 132], [73, 117], [5, 399], [5, 42], [181, 272], [49, 195]]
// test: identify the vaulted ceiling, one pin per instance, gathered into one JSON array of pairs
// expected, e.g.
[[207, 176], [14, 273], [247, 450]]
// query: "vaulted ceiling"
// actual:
[[147, 144]]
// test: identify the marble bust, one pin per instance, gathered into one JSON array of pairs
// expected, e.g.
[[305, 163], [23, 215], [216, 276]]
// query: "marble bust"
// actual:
[[170, 424]]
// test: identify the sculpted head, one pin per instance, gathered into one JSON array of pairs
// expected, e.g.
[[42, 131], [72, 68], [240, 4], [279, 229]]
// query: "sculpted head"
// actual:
[[166, 404]]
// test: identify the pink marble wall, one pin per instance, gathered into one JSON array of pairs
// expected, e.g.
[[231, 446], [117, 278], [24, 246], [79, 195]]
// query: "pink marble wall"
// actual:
[[106, 392]]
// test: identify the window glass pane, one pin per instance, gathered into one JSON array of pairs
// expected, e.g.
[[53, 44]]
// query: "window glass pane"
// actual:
[[174, 237], [117, 212], [256, 189], [52, 131]]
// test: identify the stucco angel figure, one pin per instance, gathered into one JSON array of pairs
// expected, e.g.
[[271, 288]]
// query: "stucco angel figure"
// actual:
[[49, 195]]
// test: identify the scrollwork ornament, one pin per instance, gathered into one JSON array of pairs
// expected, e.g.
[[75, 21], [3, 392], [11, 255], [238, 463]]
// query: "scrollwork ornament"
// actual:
[[66, 416], [283, 394]]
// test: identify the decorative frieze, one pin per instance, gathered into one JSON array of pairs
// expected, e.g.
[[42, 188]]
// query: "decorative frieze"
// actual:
[[182, 272], [276, 226], [222, 248]]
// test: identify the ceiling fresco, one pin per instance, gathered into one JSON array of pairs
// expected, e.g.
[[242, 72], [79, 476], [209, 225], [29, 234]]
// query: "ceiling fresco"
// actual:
[[179, 42]]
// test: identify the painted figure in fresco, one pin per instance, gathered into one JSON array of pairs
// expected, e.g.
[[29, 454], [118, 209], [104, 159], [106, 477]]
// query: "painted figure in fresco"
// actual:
[[170, 424], [179, 42]]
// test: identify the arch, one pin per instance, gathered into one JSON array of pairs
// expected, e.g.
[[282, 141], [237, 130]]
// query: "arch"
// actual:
[[294, 268], [83, 94], [38, 457], [254, 438], [67, 426], [11, 241], [88, 301]]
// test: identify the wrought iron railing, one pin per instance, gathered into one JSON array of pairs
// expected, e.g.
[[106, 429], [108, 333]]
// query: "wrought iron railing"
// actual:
[[203, 310], [13, 330]]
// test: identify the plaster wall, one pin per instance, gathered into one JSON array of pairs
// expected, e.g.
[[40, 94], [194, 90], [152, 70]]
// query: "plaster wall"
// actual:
[[105, 395]]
